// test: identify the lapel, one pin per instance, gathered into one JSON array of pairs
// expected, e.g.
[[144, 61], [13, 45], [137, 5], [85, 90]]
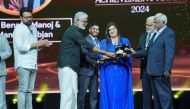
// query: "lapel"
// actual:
[[144, 40], [160, 35], [91, 40]]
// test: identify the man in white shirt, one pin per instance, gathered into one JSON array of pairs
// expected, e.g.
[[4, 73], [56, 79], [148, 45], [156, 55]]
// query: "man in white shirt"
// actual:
[[26, 46], [5, 52]]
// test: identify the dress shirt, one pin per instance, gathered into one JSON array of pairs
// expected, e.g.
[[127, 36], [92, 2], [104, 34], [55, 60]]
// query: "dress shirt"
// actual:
[[158, 32], [5, 52], [148, 38], [24, 55], [95, 40]]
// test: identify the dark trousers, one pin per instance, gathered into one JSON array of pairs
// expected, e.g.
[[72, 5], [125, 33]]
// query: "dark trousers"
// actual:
[[84, 83], [147, 92], [162, 92]]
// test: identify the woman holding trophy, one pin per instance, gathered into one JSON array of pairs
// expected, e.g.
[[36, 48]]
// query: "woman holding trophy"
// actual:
[[116, 73]]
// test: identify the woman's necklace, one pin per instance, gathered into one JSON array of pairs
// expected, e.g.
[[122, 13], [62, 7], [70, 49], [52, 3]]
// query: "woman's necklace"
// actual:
[[115, 40]]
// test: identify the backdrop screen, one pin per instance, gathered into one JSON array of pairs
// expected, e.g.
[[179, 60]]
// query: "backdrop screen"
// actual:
[[53, 17]]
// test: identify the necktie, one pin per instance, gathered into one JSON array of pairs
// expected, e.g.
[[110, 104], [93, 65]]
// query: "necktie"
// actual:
[[147, 40], [96, 41], [156, 35], [152, 39]]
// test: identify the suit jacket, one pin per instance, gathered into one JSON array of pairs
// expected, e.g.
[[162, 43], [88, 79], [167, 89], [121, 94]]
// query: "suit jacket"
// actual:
[[141, 53], [89, 59], [161, 53], [5, 52]]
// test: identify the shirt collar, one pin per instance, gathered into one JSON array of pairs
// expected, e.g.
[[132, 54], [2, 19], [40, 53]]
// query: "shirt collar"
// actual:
[[92, 37], [25, 25], [159, 31], [151, 34]]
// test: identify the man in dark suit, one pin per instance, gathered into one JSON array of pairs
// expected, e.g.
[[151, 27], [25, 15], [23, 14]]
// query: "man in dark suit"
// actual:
[[88, 76], [161, 52], [141, 54]]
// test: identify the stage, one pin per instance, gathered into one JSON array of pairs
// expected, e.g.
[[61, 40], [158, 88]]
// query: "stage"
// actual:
[[51, 101]]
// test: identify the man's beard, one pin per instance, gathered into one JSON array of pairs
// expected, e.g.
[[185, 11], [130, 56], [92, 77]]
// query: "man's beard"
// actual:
[[149, 31], [94, 34], [82, 27], [28, 23]]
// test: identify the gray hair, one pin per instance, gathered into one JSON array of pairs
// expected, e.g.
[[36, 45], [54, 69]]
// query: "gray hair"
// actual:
[[80, 15], [151, 18], [162, 17]]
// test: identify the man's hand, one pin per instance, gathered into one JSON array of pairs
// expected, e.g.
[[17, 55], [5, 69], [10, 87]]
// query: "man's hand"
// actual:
[[49, 44], [109, 54], [166, 74], [106, 57], [44, 42], [132, 50], [100, 61], [41, 43]]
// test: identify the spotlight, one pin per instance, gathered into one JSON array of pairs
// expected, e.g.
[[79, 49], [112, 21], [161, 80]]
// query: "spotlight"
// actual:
[[176, 96], [14, 100], [179, 93], [44, 87], [38, 99]]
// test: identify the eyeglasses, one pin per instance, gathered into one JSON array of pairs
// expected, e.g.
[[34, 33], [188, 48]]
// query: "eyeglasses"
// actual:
[[28, 17], [148, 25], [84, 21]]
